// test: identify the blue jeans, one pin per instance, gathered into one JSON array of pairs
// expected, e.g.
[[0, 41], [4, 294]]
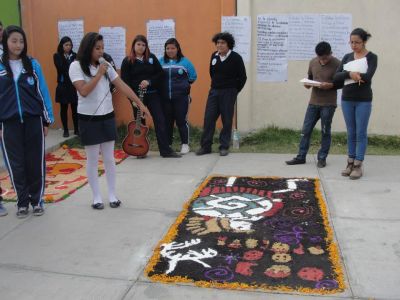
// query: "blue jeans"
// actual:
[[356, 115], [313, 114]]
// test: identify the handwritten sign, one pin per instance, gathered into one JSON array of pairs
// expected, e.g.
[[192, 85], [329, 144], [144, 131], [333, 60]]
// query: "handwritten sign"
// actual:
[[303, 36], [240, 28], [335, 29], [272, 45], [114, 43], [158, 32], [73, 29]]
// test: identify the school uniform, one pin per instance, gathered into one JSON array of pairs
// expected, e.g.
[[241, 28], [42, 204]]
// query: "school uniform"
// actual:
[[228, 77], [178, 76], [25, 107], [95, 111], [133, 73]]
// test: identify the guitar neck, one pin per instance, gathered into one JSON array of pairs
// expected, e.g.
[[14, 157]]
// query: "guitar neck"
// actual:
[[139, 112]]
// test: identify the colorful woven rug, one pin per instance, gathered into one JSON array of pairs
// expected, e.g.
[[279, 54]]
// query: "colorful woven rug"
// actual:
[[252, 233], [65, 173]]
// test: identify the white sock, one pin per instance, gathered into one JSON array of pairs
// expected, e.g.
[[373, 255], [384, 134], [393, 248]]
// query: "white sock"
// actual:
[[92, 161], [107, 150]]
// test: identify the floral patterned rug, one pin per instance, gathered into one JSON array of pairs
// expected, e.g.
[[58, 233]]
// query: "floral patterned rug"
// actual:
[[65, 173], [265, 233]]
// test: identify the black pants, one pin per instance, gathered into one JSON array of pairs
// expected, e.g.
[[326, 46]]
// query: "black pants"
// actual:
[[23, 150], [64, 115], [176, 110], [220, 102], [153, 103]]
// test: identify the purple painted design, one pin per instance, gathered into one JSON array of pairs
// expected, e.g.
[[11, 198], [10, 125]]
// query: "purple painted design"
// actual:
[[316, 239], [291, 237], [326, 284], [219, 274], [231, 258], [279, 223]]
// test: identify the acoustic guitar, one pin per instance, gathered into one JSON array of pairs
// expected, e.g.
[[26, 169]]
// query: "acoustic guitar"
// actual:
[[136, 142]]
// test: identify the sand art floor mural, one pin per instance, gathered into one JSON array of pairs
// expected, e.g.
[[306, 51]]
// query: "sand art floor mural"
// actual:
[[252, 233], [65, 173]]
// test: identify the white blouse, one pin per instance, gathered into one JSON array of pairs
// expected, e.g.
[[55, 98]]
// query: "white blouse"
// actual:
[[99, 101]]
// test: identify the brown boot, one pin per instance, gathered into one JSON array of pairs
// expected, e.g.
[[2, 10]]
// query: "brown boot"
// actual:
[[350, 162], [356, 173]]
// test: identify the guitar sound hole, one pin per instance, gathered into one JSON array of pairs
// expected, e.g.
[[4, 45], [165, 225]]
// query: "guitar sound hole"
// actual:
[[136, 132]]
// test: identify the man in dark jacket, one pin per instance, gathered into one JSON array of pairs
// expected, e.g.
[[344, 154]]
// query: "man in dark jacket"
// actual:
[[228, 77]]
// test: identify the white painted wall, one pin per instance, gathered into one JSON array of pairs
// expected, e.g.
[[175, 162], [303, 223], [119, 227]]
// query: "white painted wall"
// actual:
[[262, 104]]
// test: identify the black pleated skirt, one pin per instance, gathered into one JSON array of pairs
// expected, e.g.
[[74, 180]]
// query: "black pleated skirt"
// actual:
[[95, 130]]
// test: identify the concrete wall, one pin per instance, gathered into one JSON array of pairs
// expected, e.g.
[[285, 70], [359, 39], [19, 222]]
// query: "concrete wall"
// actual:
[[9, 12], [195, 23], [283, 104]]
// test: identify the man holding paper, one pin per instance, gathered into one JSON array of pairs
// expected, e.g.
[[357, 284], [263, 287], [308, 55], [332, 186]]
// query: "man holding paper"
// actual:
[[322, 103]]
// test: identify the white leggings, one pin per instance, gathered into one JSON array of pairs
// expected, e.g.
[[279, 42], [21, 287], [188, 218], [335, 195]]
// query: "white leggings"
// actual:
[[92, 160]]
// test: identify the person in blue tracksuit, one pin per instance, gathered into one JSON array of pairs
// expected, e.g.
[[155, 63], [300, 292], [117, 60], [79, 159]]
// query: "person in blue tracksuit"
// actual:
[[25, 114], [179, 75]]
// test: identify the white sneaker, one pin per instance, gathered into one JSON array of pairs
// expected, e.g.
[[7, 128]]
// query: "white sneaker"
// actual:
[[185, 149]]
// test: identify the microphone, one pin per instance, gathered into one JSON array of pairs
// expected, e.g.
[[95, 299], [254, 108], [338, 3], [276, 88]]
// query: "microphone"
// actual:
[[101, 61]]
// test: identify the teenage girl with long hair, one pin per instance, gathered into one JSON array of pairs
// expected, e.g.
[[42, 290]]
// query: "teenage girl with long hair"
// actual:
[[91, 76]]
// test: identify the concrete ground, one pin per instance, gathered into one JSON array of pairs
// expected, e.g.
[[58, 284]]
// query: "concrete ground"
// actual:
[[75, 252]]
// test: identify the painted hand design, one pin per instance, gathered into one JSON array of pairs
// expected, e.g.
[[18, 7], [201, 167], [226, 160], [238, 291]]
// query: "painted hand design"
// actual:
[[199, 226]]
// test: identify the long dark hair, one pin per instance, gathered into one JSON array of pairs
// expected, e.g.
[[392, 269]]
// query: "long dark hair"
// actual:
[[85, 50], [26, 62], [60, 49], [173, 41], [146, 54]]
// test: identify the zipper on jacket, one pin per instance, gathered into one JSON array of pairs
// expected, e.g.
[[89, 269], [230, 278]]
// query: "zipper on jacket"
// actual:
[[18, 99], [169, 82]]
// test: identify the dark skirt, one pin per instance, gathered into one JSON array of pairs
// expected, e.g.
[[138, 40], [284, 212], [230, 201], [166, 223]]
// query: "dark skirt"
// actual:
[[66, 93], [95, 130]]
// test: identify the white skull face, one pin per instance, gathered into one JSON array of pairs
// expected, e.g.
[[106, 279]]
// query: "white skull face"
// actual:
[[242, 209]]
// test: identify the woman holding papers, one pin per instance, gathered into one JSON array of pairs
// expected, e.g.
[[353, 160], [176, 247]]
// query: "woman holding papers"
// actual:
[[356, 71]]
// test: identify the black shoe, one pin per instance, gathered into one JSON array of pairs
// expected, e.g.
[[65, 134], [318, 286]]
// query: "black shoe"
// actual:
[[115, 204], [321, 163], [203, 151], [296, 161], [172, 154], [223, 152], [22, 212], [98, 206], [66, 133], [38, 211]]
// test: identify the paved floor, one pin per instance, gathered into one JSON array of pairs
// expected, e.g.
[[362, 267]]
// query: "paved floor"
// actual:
[[74, 252]]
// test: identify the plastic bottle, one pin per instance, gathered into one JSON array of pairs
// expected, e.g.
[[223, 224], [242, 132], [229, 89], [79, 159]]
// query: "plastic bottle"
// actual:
[[235, 139]]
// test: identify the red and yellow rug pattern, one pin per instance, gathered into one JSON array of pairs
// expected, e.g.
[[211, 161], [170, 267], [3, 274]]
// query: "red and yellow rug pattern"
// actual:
[[65, 173], [264, 233]]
